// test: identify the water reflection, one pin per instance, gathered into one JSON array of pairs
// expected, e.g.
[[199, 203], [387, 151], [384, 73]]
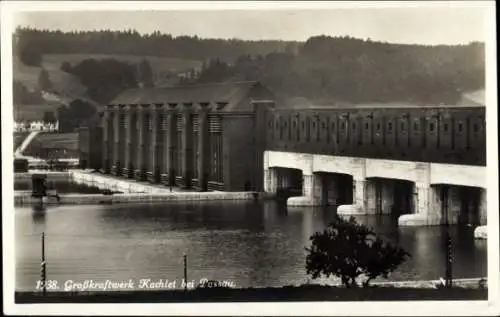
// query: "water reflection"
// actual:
[[62, 186], [254, 244], [38, 214]]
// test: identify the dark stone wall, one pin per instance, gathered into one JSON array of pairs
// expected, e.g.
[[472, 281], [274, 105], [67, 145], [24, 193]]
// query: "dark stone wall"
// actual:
[[454, 135], [90, 146], [240, 160]]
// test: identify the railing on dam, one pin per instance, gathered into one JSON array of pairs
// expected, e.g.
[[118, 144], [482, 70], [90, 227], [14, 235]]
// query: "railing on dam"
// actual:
[[444, 134]]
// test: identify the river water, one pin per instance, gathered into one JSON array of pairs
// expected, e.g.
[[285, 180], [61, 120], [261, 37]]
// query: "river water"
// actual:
[[247, 243]]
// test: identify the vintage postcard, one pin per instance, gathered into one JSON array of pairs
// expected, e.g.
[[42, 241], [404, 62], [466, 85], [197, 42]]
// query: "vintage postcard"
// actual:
[[250, 158]]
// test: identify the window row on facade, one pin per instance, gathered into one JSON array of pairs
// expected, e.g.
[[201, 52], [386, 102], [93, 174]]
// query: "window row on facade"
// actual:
[[450, 134], [164, 147]]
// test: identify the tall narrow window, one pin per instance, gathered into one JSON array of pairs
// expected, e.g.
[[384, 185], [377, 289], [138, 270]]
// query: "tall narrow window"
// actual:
[[308, 136], [160, 143], [196, 155], [216, 150], [122, 139], [179, 146]]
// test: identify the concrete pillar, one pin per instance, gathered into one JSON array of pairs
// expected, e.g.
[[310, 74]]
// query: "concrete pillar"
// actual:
[[170, 145], [371, 196], [317, 186], [116, 142], [284, 178], [105, 129], [481, 232], [359, 192], [140, 168], [428, 207], [111, 140], [454, 204], [308, 187], [422, 196], [387, 196], [187, 139], [359, 204], [271, 180], [434, 213], [130, 144], [154, 168], [122, 139], [203, 146], [331, 190], [311, 192], [483, 204]]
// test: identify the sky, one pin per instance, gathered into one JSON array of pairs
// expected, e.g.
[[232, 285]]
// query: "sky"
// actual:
[[422, 25]]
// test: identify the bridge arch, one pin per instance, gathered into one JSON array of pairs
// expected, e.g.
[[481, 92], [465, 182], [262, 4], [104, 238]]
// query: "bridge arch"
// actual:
[[289, 160]]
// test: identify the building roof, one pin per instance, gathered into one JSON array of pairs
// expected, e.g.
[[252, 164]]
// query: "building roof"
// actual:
[[230, 92], [304, 103]]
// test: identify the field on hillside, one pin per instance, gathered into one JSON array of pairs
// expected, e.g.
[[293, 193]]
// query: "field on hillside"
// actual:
[[60, 145], [18, 138], [63, 82], [158, 64], [68, 87]]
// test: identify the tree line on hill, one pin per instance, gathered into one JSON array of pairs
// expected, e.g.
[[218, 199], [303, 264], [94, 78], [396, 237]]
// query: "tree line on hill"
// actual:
[[322, 68], [104, 78], [30, 43], [357, 71]]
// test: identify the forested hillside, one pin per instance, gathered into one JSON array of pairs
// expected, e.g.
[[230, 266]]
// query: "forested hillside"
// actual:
[[353, 70], [130, 42], [322, 68]]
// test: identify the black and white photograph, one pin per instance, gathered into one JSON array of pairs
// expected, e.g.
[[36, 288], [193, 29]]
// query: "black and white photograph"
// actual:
[[341, 157]]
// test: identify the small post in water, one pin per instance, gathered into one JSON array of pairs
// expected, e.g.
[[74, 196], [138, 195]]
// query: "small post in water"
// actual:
[[185, 272], [447, 240], [43, 268]]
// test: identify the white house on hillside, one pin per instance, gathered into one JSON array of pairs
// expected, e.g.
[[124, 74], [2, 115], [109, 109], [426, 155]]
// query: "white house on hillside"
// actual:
[[29, 126]]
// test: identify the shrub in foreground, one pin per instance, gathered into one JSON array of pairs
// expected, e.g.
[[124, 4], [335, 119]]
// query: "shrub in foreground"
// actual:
[[351, 251]]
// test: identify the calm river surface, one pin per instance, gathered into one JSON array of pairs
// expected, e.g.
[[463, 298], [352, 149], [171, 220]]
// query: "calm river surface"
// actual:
[[251, 244]]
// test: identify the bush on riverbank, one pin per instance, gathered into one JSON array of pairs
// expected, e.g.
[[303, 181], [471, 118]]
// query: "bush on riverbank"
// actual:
[[351, 251]]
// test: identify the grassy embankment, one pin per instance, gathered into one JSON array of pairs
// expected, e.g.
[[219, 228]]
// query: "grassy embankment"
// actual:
[[19, 138], [68, 87], [60, 145]]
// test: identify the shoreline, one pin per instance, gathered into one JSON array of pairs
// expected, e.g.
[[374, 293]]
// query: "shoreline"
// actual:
[[310, 292], [131, 191], [463, 289]]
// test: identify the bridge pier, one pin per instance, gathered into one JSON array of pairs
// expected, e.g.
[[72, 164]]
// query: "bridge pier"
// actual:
[[359, 194], [311, 192], [379, 196], [464, 205], [426, 211], [482, 207], [270, 180], [410, 190]]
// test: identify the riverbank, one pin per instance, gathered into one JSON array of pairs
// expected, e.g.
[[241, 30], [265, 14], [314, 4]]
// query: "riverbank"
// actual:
[[23, 198], [291, 293], [126, 190]]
